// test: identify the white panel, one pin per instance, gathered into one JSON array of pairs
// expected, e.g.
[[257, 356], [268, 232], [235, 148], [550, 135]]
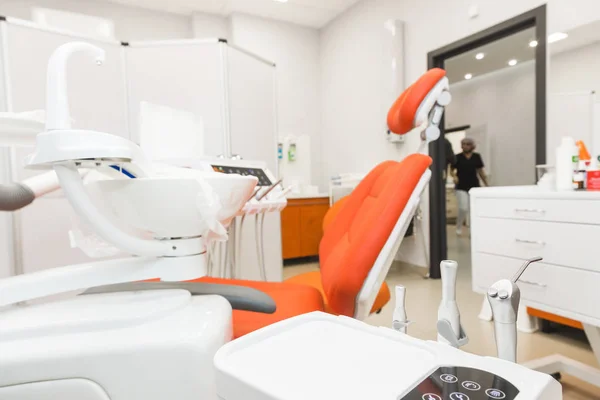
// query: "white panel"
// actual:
[[185, 76], [252, 108], [569, 114], [96, 94], [97, 97]]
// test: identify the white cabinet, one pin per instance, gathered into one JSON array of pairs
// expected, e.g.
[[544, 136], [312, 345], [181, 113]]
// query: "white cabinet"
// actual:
[[512, 224]]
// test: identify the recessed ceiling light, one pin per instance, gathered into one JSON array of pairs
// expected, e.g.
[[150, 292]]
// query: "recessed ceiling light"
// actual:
[[533, 43], [480, 56], [281, 1], [512, 63], [468, 76], [555, 37]]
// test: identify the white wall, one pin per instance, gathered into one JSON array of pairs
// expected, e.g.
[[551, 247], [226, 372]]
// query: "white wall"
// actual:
[[295, 51], [130, 23], [503, 101], [575, 70], [210, 26], [350, 49]]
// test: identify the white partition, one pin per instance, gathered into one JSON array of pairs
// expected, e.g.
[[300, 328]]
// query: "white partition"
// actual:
[[97, 98], [232, 93], [252, 107], [186, 76]]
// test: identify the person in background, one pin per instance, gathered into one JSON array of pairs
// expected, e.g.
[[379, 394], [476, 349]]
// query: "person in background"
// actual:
[[466, 171], [450, 157]]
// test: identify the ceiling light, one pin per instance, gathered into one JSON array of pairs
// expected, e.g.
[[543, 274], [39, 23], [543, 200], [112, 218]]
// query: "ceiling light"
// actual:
[[468, 76], [479, 56], [512, 63], [555, 37], [281, 1], [533, 43]]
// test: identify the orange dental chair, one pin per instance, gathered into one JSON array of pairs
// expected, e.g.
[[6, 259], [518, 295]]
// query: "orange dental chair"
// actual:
[[364, 231]]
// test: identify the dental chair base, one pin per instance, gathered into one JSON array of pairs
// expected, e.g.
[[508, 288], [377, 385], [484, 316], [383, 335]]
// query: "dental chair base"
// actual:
[[151, 345], [557, 364], [322, 357]]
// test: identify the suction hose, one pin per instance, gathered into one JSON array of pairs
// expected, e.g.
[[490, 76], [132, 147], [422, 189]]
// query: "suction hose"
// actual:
[[14, 196]]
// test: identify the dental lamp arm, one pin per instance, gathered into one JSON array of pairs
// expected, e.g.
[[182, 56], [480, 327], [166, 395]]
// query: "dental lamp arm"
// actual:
[[240, 297], [53, 281], [75, 192], [57, 102]]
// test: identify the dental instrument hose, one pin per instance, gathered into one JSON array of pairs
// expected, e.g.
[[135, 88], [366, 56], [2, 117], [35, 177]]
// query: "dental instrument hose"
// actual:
[[239, 243], [258, 245], [263, 267]]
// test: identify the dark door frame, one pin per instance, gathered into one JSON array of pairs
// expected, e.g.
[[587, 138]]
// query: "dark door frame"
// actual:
[[535, 18]]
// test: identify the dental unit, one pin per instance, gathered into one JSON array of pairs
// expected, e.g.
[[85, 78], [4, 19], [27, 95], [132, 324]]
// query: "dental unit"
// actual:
[[123, 339], [359, 361]]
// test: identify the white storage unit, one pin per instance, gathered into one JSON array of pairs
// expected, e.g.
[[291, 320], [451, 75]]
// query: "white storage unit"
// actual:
[[97, 101], [512, 224]]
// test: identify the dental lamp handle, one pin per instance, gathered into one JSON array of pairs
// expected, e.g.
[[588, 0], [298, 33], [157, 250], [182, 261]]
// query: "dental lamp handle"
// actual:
[[57, 101]]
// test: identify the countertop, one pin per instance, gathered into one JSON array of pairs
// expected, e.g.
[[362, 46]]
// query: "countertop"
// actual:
[[533, 192], [293, 196]]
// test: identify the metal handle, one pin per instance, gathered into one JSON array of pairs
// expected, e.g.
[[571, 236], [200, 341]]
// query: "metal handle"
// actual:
[[538, 242], [542, 285], [524, 267], [530, 210]]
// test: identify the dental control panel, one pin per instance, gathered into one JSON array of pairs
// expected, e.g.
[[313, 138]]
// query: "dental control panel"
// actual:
[[260, 173], [461, 383]]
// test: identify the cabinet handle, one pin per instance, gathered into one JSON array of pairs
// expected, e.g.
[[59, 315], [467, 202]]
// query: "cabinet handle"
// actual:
[[538, 242], [530, 210], [542, 285]]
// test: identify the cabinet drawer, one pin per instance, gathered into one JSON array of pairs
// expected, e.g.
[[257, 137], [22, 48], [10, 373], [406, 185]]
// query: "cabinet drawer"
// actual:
[[570, 245], [573, 211], [566, 289]]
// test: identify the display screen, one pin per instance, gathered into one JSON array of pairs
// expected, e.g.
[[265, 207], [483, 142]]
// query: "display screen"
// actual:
[[459, 383], [263, 179]]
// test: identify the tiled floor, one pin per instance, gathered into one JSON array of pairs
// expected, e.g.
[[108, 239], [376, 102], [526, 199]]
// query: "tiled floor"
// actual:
[[423, 297]]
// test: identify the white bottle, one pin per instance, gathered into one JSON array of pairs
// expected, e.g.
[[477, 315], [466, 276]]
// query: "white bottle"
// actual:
[[399, 319], [448, 309], [567, 156]]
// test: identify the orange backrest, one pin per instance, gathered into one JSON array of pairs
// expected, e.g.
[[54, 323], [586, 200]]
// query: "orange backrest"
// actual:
[[357, 234], [333, 211], [401, 116]]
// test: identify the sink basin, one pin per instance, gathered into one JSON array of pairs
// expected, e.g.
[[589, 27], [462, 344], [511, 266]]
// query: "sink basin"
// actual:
[[171, 206]]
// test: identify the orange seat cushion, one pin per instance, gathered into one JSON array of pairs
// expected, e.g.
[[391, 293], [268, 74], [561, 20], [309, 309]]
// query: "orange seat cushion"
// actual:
[[313, 279], [291, 300], [356, 236], [401, 117]]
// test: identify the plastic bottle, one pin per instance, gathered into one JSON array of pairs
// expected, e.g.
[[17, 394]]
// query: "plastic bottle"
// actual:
[[567, 157]]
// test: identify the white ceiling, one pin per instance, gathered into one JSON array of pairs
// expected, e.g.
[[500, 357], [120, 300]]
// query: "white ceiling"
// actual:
[[312, 13], [497, 55], [516, 47]]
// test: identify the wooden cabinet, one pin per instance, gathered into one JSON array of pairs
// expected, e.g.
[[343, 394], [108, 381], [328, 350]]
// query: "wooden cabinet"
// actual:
[[302, 226]]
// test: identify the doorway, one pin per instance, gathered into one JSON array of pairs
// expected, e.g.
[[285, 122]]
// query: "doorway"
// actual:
[[531, 23]]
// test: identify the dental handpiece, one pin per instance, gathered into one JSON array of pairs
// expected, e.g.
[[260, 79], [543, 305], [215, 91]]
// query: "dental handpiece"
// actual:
[[504, 297], [448, 309], [261, 196]]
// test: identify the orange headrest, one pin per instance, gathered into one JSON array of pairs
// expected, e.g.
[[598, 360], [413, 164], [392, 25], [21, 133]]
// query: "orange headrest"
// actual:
[[401, 116]]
